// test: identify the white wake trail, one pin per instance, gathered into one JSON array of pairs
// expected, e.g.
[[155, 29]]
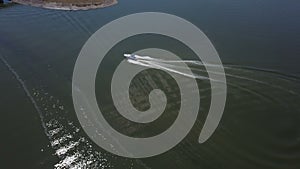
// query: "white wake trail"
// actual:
[[166, 67], [195, 62], [172, 66], [166, 64]]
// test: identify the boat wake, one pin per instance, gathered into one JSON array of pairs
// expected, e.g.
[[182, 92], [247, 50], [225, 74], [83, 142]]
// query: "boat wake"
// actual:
[[198, 71]]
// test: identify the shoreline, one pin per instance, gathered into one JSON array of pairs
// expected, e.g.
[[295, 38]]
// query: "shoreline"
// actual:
[[66, 6]]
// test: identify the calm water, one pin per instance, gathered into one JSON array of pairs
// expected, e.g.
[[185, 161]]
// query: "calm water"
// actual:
[[257, 40]]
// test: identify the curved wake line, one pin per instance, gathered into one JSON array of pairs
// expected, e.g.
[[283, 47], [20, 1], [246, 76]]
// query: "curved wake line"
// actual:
[[18, 78], [196, 62], [227, 66], [285, 75], [168, 66], [156, 65]]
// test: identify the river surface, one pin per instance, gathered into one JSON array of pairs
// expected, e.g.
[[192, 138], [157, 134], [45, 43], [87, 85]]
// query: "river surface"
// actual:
[[258, 43]]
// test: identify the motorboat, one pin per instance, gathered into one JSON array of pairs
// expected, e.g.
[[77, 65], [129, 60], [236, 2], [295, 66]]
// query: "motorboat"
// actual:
[[130, 56]]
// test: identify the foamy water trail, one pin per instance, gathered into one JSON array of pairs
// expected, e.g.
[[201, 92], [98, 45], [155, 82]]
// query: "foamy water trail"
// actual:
[[163, 64], [195, 62], [172, 66], [156, 65]]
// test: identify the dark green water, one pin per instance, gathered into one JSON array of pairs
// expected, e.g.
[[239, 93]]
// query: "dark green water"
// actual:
[[258, 40]]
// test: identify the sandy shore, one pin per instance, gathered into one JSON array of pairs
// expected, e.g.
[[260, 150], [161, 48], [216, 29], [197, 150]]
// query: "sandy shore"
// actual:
[[68, 4]]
